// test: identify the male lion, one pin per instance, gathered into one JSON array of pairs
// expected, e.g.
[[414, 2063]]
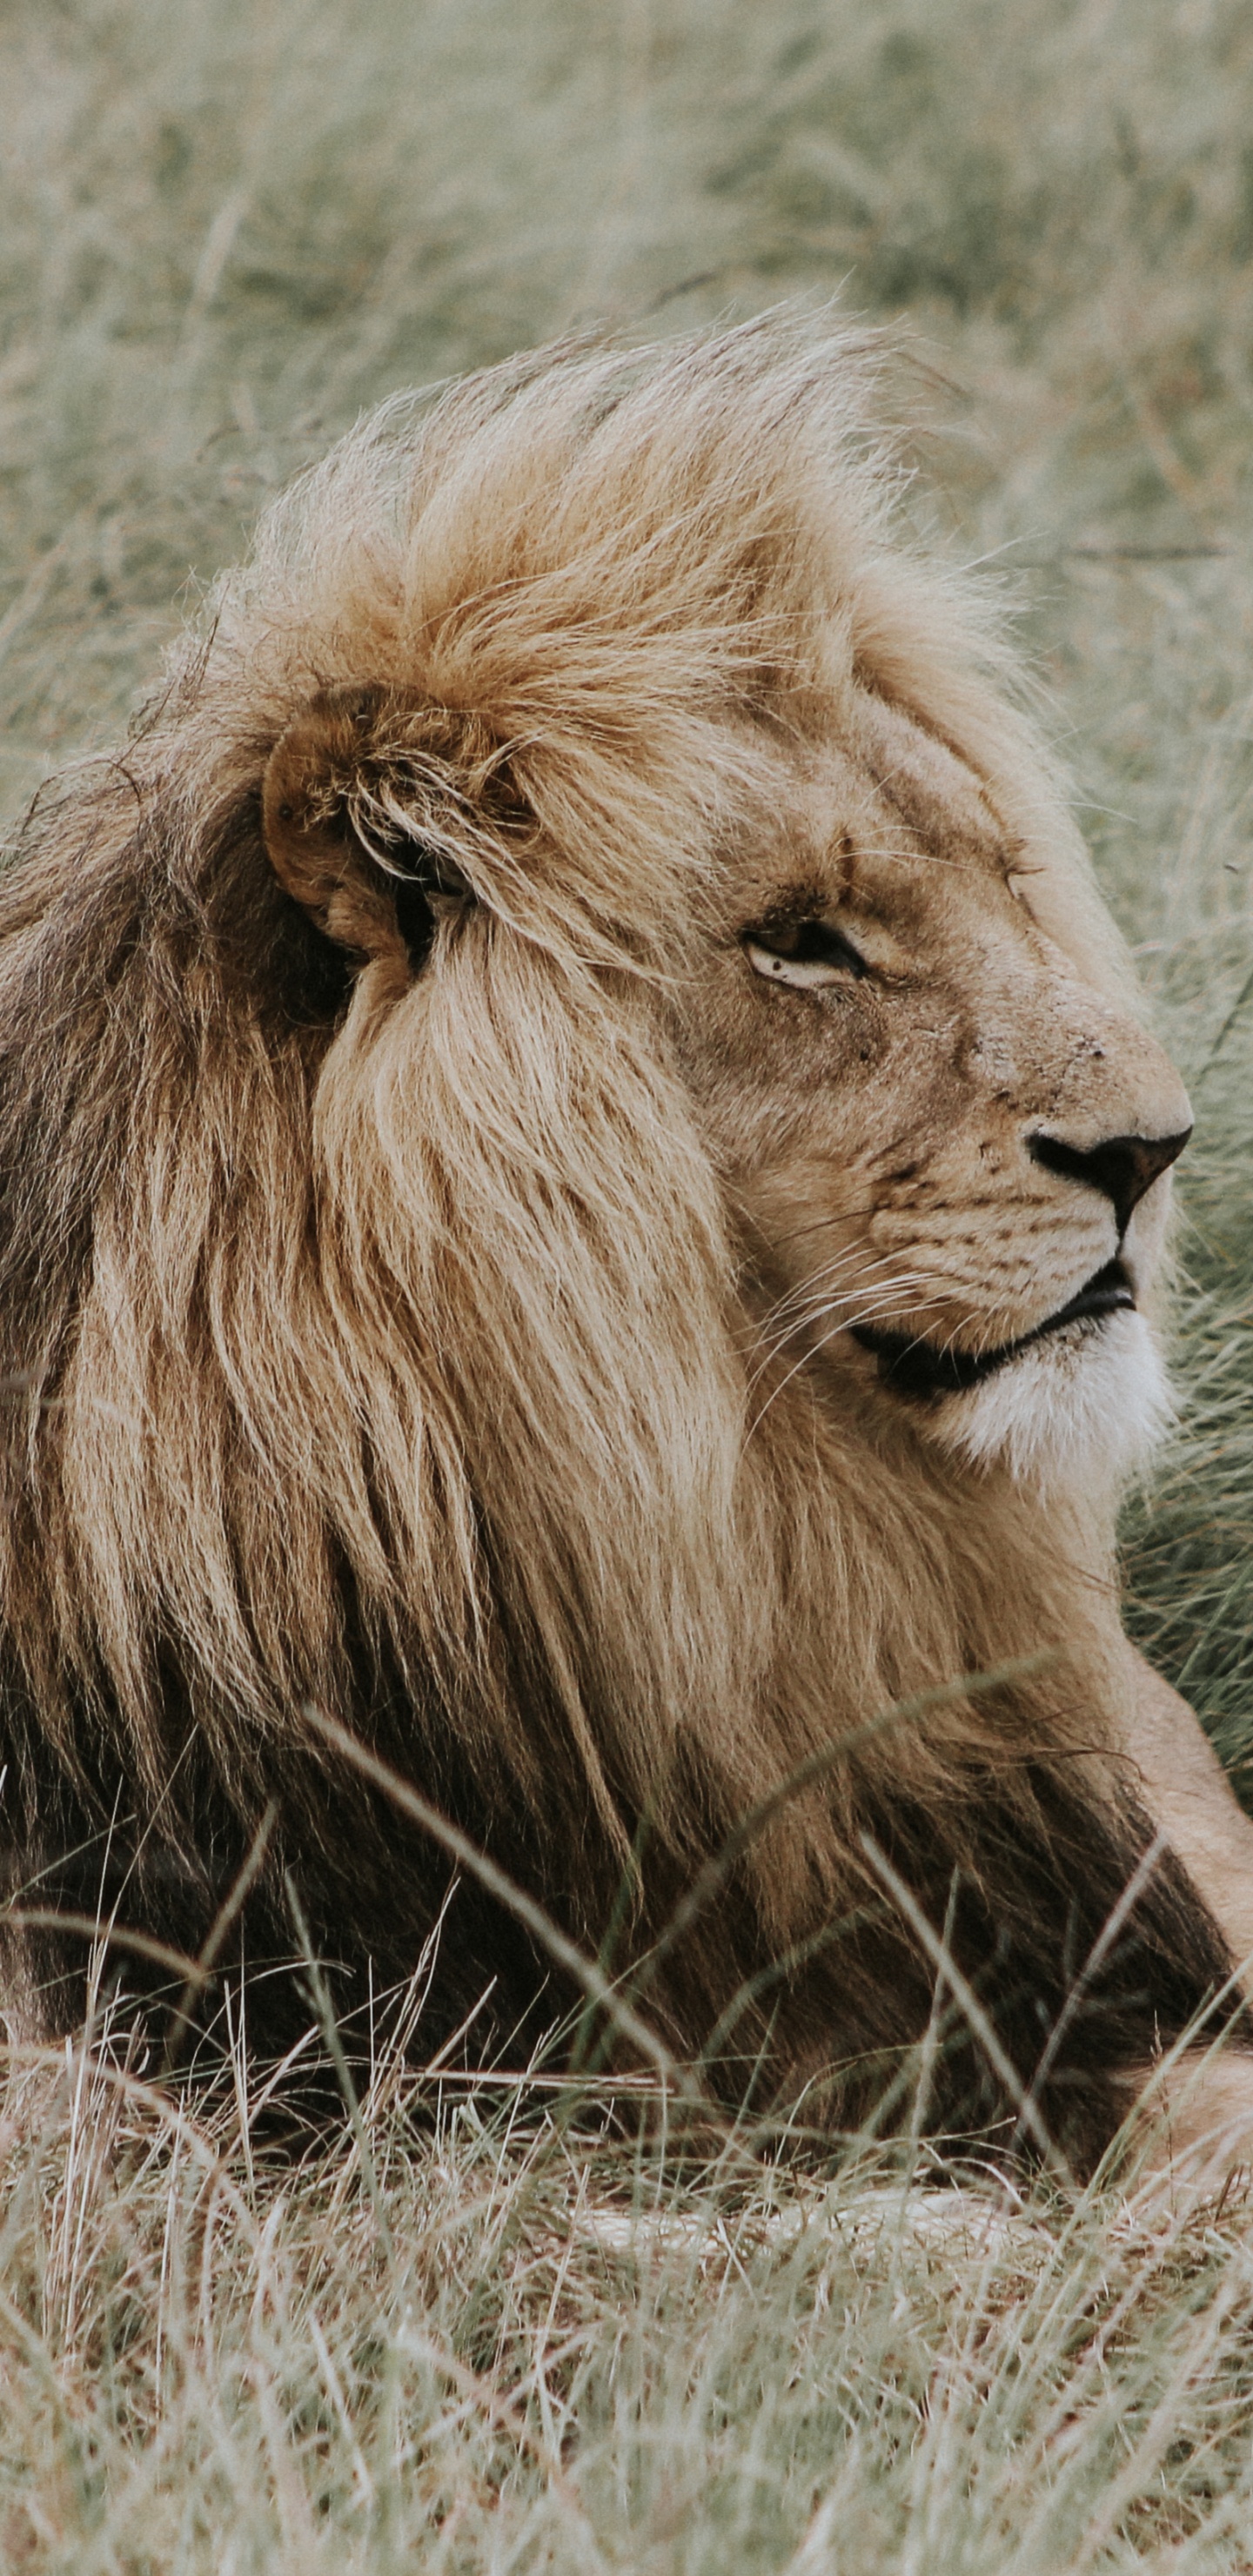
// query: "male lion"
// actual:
[[581, 1195]]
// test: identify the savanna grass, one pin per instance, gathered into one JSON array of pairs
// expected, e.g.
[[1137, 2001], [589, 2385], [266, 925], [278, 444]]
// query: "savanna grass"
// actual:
[[501, 2330], [495, 2337]]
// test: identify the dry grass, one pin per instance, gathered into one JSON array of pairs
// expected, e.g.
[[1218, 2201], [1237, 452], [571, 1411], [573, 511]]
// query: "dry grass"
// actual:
[[488, 2337], [488, 2332]]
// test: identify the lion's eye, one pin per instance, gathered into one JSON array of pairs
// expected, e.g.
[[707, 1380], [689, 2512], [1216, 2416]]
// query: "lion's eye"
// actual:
[[804, 954]]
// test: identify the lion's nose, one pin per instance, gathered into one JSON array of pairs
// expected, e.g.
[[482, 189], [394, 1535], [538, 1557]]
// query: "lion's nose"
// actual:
[[1122, 1167]]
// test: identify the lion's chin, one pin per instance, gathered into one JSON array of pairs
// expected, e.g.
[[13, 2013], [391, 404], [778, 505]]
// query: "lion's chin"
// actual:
[[1082, 1407]]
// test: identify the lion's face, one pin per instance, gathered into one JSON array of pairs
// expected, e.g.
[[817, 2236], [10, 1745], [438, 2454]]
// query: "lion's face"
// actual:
[[949, 1149], [945, 1149]]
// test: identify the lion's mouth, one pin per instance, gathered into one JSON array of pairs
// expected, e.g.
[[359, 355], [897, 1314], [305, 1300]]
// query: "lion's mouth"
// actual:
[[914, 1367]]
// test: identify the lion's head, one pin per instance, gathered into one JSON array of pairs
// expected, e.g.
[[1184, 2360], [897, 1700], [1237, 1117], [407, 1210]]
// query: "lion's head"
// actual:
[[581, 1191]]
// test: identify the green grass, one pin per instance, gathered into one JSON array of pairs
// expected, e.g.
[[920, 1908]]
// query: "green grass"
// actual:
[[227, 227]]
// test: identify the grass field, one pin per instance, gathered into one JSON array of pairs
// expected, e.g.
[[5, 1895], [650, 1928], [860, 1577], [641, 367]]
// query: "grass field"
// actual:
[[497, 2335]]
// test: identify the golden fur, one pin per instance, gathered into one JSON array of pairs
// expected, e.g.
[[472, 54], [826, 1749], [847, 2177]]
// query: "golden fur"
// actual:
[[434, 1237]]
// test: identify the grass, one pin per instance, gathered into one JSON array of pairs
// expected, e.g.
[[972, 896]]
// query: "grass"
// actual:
[[480, 2333], [561, 2355]]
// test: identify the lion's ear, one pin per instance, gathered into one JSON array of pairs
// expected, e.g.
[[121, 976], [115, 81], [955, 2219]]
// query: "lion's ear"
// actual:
[[375, 897]]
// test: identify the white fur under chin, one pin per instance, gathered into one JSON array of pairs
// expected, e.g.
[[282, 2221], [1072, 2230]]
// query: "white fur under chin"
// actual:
[[1083, 1406]]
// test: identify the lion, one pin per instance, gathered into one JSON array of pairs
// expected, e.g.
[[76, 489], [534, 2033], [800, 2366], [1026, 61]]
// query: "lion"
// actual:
[[584, 1184]]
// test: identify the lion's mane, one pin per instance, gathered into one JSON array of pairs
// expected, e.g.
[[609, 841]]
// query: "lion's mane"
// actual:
[[379, 1345]]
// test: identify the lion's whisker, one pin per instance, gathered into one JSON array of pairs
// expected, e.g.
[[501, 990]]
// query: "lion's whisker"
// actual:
[[803, 1307], [847, 1323], [884, 1303], [786, 1321], [804, 1290]]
